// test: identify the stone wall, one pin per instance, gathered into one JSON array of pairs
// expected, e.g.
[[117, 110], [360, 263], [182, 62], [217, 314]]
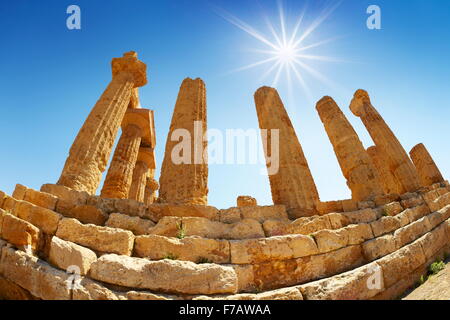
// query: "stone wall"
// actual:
[[123, 249]]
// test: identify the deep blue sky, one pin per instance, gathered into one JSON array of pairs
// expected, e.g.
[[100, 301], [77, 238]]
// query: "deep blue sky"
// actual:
[[51, 77]]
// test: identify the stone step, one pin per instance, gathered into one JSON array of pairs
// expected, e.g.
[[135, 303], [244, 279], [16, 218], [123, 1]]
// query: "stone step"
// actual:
[[196, 226], [170, 276]]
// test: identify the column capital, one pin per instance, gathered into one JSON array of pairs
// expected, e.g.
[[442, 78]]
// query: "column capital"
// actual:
[[129, 63], [152, 184], [147, 156], [359, 102], [143, 118]]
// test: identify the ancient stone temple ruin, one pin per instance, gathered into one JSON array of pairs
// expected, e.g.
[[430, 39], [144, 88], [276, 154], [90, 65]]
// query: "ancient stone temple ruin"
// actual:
[[137, 238]]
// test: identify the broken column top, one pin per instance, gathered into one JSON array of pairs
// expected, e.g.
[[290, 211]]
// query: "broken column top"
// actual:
[[143, 118], [360, 99], [129, 63]]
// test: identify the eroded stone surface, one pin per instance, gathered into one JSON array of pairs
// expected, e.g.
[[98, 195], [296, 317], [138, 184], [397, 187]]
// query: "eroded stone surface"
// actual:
[[102, 239], [165, 275]]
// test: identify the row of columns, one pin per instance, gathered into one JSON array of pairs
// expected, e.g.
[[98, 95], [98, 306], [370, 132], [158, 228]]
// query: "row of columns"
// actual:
[[382, 169]]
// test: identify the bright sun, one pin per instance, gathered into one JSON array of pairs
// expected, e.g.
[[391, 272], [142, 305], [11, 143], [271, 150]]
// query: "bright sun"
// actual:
[[286, 52]]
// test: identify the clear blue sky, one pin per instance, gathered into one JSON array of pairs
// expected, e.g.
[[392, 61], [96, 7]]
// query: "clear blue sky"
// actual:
[[51, 77]]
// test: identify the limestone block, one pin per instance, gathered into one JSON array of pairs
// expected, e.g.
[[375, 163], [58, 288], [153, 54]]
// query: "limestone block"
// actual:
[[366, 205], [64, 193], [87, 214], [274, 248], [398, 264], [262, 213], [437, 204], [105, 204], [357, 284], [230, 215], [45, 219], [157, 211], [196, 226], [275, 274], [20, 232], [245, 201], [130, 207], [102, 239], [193, 249], [337, 220], [385, 225], [412, 202], [361, 216], [403, 218], [2, 215], [379, 247], [41, 199], [330, 240], [393, 208], [11, 291], [349, 205], [416, 213], [19, 192], [435, 218], [2, 198], [329, 206], [358, 233], [134, 224], [433, 241], [65, 254], [37, 277], [165, 275], [9, 204], [308, 225], [87, 289], [245, 276], [411, 232]]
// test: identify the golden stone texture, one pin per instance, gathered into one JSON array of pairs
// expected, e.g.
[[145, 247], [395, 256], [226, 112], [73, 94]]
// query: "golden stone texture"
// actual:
[[293, 184], [187, 182], [399, 163], [428, 171], [388, 180], [91, 149], [356, 165]]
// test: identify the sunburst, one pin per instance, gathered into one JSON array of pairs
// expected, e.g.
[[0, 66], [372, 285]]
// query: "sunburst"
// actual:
[[286, 53]]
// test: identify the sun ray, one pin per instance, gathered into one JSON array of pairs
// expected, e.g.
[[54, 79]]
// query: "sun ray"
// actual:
[[305, 87], [316, 74], [325, 14], [254, 65], [277, 75]]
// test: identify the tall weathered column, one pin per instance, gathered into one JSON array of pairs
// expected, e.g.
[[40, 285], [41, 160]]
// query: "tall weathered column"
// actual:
[[92, 147], [135, 128], [388, 180], [292, 184], [426, 167], [144, 162], [151, 187], [184, 171], [356, 165], [400, 164]]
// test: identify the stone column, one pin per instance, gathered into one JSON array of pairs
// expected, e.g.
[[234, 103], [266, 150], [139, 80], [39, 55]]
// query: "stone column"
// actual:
[[184, 171], [400, 164], [144, 162], [292, 184], [388, 180], [150, 189], [92, 147], [426, 167], [135, 127], [356, 165]]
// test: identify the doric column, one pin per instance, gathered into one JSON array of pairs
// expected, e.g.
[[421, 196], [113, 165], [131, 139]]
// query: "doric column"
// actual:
[[388, 180], [135, 127], [292, 184], [144, 162], [150, 189], [92, 147], [399, 163], [356, 165], [426, 167], [184, 172]]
